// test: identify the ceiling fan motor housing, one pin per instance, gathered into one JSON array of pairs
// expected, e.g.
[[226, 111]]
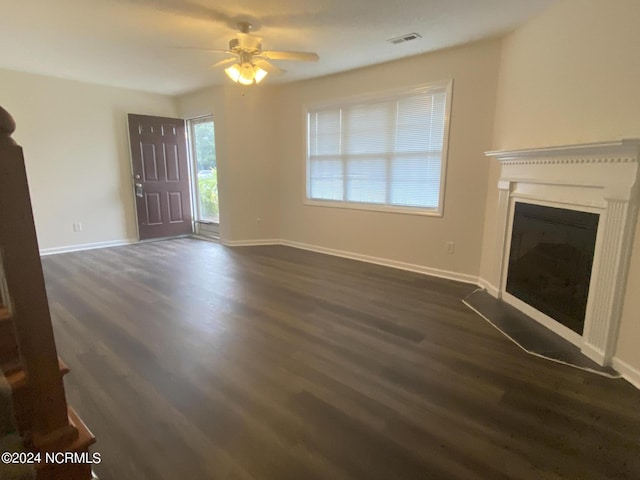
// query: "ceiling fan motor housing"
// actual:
[[234, 46]]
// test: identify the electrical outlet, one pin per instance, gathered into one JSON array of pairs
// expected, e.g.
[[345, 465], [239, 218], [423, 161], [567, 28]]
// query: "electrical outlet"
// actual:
[[77, 227], [451, 248]]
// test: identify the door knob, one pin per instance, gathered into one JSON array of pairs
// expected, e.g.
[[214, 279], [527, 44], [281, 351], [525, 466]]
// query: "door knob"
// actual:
[[139, 190]]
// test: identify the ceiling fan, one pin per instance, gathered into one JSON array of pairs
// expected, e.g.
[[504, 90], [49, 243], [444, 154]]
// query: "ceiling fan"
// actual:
[[250, 64]]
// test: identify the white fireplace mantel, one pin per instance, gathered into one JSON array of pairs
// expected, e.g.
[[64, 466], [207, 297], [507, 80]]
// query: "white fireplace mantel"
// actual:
[[600, 178]]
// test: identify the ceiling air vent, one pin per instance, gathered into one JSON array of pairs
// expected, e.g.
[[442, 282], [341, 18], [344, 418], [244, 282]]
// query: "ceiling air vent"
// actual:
[[405, 38]]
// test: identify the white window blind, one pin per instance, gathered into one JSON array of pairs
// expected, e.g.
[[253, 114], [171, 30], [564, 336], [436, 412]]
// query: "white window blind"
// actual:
[[385, 151]]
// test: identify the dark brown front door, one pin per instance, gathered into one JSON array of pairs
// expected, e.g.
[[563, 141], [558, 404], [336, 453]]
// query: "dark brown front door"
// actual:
[[160, 176]]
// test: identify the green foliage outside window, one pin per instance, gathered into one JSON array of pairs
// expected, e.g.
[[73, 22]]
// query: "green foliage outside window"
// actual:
[[205, 145], [208, 190]]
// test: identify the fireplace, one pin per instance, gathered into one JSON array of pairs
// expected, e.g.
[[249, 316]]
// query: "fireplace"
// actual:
[[550, 260], [564, 223]]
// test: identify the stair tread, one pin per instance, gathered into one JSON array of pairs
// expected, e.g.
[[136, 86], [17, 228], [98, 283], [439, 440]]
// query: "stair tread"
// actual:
[[81, 443], [16, 376], [63, 367], [85, 436]]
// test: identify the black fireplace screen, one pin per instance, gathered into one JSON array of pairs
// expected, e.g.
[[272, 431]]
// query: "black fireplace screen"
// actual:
[[550, 261]]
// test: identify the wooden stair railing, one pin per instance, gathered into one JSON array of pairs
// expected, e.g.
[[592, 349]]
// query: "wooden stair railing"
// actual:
[[28, 353]]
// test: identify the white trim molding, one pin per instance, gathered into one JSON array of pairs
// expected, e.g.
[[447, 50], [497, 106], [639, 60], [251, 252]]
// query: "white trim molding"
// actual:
[[411, 267], [251, 243], [489, 287], [599, 178], [434, 272], [86, 246], [629, 373]]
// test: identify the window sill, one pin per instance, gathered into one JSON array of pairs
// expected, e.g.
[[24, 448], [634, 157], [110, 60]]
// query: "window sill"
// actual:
[[372, 207]]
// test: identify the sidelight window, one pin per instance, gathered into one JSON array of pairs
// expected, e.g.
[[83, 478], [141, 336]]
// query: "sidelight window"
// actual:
[[203, 155]]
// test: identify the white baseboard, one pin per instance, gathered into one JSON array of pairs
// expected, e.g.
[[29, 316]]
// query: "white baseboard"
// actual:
[[593, 353], [434, 272], [251, 243], [490, 288], [86, 246], [629, 373]]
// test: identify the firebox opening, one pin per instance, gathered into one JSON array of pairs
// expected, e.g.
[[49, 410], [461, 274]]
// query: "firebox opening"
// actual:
[[550, 261]]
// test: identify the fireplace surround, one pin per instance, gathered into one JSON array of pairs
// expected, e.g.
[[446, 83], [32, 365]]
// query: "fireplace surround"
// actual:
[[599, 179]]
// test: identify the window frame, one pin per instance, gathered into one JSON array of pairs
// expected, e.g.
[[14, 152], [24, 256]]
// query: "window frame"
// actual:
[[446, 85]]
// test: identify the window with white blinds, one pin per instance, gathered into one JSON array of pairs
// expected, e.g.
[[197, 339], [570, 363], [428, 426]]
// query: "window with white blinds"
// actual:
[[386, 152]]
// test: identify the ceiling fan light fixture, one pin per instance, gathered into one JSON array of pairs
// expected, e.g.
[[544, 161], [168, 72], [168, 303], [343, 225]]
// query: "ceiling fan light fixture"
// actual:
[[233, 72], [259, 74], [245, 80], [245, 74]]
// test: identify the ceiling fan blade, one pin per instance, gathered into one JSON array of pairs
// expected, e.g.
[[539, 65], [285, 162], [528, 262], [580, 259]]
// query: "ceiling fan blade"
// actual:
[[214, 50], [297, 56], [248, 41], [267, 67], [224, 62]]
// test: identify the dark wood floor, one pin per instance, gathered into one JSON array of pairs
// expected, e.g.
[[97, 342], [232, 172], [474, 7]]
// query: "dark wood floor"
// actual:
[[194, 361]]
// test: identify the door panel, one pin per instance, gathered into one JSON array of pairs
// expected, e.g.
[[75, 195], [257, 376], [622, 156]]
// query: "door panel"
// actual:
[[172, 167], [149, 162], [161, 176], [175, 207], [153, 208]]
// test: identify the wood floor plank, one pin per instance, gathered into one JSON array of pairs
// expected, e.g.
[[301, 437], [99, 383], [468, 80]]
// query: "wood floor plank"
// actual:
[[192, 360]]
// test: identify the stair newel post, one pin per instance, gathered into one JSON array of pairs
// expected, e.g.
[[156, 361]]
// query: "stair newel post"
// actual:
[[29, 305]]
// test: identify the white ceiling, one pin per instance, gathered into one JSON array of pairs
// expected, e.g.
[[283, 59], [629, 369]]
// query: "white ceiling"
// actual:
[[131, 43]]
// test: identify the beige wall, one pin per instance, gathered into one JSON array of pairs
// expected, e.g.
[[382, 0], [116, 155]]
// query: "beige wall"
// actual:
[[572, 75], [414, 239], [260, 138], [245, 122], [76, 150]]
